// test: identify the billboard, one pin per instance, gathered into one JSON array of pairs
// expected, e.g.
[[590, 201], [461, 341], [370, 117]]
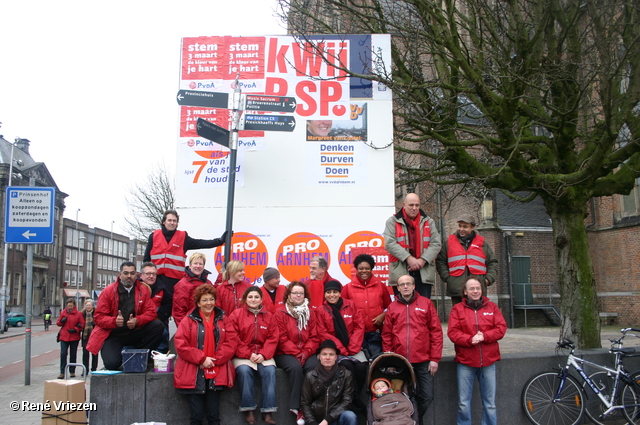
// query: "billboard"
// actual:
[[314, 177]]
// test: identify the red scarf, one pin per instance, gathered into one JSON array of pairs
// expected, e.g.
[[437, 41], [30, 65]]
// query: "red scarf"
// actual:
[[209, 344], [413, 228]]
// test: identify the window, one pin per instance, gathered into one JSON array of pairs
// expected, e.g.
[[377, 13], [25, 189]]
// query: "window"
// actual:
[[67, 256], [631, 202]]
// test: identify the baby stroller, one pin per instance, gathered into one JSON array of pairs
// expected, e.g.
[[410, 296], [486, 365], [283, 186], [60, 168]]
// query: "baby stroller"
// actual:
[[395, 408]]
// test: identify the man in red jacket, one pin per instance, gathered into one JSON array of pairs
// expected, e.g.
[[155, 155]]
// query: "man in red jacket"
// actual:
[[125, 316], [318, 276], [412, 329], [475, 327]]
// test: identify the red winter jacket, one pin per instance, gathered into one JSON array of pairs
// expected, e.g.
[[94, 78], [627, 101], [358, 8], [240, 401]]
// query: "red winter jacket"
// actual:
[[293, 341], [413, 330], [465, 322], [269, 305], [183, 302], [229, 296], [371, 299], [353, 322], [316, 291], [106, 312], [189, 342], [257, 333], [75, 320]]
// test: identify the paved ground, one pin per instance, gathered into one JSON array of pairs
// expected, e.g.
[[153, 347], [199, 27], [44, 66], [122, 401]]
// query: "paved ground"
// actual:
[[517, 340]]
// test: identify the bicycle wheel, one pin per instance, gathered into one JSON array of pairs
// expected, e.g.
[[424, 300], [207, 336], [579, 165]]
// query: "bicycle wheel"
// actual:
[[593, 405], [630, 399], [539, 405]]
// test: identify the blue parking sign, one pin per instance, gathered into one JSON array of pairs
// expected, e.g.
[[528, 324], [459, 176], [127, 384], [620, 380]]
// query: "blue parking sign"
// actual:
[[29, 215]]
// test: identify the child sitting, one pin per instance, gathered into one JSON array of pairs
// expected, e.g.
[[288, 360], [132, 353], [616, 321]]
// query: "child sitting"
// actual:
[[390, 407]]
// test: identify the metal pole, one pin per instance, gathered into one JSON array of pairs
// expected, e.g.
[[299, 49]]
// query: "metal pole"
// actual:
[[28, 308], [5, 295], [78, 275], [233, 146]]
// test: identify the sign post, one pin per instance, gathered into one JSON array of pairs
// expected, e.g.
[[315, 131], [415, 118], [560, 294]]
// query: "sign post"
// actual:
[[29, 215]]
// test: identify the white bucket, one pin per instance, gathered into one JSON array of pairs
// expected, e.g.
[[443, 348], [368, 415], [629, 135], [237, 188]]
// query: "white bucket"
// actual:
[[162, 363]]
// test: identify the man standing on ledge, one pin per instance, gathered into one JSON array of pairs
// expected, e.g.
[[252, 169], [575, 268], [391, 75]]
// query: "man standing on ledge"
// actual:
[[465, 254], [167, 249], [413, 243], [319, 275]]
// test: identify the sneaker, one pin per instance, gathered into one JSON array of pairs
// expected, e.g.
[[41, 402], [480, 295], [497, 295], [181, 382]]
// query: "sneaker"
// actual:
[[300, 419]]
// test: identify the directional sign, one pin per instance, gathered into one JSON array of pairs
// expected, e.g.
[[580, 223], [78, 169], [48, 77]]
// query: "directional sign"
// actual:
[[212, 132], [268, 122], [205, 99], [29, 215], [270, 103]]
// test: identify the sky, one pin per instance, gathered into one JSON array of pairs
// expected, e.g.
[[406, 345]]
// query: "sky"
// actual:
[[93, 87]]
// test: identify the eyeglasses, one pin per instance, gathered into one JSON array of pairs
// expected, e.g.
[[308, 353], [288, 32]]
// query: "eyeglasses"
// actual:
[[151, 274], [297, 293], [402, 285]]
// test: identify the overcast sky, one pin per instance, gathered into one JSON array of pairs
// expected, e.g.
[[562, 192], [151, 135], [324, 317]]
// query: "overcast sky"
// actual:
[[93, 85]]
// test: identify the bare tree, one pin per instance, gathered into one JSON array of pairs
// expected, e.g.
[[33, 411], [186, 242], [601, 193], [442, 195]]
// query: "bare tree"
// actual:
[[148, 200], [539, 96]]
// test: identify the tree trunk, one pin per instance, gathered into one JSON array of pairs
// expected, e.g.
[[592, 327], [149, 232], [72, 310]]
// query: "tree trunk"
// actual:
[[578, 298]]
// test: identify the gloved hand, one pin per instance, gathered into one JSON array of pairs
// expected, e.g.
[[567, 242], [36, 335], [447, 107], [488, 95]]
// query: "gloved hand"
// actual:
[[73, 331], [224, 236], [63, 320]]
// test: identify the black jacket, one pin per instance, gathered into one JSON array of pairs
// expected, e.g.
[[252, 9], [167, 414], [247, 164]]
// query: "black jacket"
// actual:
[[320, 402]]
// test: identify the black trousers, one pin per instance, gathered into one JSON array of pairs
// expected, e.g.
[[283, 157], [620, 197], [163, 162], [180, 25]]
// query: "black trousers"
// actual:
[[148, 336], [204, 405], [296, 374]]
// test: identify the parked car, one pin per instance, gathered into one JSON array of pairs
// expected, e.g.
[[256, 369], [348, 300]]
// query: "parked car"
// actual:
[[14, 319]]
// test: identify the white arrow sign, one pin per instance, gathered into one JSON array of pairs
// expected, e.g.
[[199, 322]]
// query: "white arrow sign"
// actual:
[[28, 234]]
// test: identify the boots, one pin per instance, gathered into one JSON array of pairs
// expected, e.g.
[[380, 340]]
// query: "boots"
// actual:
[[250, 417], [268, 418]]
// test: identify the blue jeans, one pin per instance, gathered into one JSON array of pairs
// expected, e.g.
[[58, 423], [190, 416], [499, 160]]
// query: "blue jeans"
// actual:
[[346, 418], [487, 381], [245, 375]]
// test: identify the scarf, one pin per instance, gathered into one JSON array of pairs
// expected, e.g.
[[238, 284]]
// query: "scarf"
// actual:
[[255, 310], [327, 375], [88, 323], [168, 234], [466, 241], [413, 228], [475, 304], [209, 344], [339, 326], [300, 312]]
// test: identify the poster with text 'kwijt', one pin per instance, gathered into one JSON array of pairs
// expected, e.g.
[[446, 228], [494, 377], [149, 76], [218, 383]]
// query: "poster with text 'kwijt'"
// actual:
[[314, 175]]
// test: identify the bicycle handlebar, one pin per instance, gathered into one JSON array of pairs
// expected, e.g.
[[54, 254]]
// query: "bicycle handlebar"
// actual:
[[625, 330], [566, 343]]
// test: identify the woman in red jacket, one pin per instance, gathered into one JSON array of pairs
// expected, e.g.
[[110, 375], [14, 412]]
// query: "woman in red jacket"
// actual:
[[71, 324], [372, 299], [232, 287], [298, 341], [195, 275], [342, 323], [205, 343], [257, 341]]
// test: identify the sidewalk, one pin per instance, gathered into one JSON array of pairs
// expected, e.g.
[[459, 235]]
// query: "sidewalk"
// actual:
[[519, 340]]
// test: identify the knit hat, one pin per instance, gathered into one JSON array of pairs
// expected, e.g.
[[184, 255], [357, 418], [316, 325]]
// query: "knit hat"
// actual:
[[333, 284], [467, 218], [379, 379], [328, 343], [270, 273]]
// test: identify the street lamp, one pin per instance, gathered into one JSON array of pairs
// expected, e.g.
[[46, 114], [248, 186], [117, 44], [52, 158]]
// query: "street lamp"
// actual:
[[78, 275], [5, 295]]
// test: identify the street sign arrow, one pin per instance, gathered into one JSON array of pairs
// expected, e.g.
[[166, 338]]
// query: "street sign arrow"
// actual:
[[212, 132], [270, 103], [205, 99], [268, 122], [28, 234]]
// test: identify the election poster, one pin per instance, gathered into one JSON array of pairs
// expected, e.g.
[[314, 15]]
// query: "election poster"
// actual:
[[314, 173]]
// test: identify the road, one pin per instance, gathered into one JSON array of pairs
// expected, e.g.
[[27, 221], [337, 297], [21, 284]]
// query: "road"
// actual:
[[44, 350]]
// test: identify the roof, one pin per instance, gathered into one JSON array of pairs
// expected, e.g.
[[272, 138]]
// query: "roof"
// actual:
[[511, 213]]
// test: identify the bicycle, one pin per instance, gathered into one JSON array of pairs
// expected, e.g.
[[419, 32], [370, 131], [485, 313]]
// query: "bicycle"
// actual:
[[594, 408], [47, 321], [558, 398]]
